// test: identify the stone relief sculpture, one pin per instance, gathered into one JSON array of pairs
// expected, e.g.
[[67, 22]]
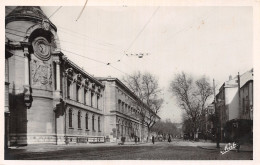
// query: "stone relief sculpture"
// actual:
[[41, 74]]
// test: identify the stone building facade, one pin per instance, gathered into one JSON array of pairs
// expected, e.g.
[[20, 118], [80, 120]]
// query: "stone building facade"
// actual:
[[235, 107], [122, 114], [227, 105], [48, 98], [246, 95]]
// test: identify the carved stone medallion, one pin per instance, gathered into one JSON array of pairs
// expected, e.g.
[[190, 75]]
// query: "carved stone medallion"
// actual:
[[41, 48]]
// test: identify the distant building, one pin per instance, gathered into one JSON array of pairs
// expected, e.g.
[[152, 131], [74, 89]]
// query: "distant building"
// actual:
[[122, 114]]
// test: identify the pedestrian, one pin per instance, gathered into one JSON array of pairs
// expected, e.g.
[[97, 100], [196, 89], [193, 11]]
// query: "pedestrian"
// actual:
[[135, 139], [153, 139], [169, 139], [122, 140], [205, 137], [237, 142]]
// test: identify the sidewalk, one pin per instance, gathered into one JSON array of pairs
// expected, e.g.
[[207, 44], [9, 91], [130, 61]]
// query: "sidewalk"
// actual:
[[243, 148], [51, 147]]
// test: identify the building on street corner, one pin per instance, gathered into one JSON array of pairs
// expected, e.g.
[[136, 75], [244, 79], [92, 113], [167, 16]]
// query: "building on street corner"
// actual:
[[49, 99]]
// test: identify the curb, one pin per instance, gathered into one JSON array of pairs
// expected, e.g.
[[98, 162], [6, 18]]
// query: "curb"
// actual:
[[205, 148], [222, 148]]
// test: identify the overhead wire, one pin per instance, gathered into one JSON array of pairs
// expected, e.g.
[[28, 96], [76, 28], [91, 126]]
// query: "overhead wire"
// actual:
[[104, 43], [83, 56], [109, 44], [65, 50], [98, 61], [103, 46], [86, 45], [82, 10], [140, 32], [59, 39], [67, 41], [99, 42], [54, 12]]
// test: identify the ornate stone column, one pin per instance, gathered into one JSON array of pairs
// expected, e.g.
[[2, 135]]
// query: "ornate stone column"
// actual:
[[57, 75], [59, 107], [26, 66], [27, 90]]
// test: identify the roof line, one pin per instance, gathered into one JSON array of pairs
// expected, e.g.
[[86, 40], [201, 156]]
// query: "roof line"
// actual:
[[83, 71], [122, 84]]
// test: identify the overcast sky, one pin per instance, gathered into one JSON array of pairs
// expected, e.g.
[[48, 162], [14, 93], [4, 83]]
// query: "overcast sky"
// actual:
[[211, 41]]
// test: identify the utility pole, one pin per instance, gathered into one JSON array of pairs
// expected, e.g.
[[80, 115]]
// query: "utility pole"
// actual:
[[216, 115], [239, 102]]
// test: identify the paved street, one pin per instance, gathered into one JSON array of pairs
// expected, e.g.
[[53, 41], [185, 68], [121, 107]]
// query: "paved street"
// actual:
[[177, 150]]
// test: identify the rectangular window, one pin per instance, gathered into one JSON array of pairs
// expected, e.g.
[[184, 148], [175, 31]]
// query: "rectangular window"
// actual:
[[86, 120], [77, 92], [91, 101], [79, 119], [122, 110], [119, 105], [70, 118], [93, 123], [99, 124], [97, 101], [85, 96], [68, 88]]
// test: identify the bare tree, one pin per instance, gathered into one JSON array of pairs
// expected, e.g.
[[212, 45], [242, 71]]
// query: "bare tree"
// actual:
[[146, 87], [166, 127], [192, 97]]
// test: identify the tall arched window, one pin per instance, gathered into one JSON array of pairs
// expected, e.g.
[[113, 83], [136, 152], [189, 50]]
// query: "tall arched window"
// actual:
[[70, 118], [93, 123], [79, 119], [99, 123], [86, 120]]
